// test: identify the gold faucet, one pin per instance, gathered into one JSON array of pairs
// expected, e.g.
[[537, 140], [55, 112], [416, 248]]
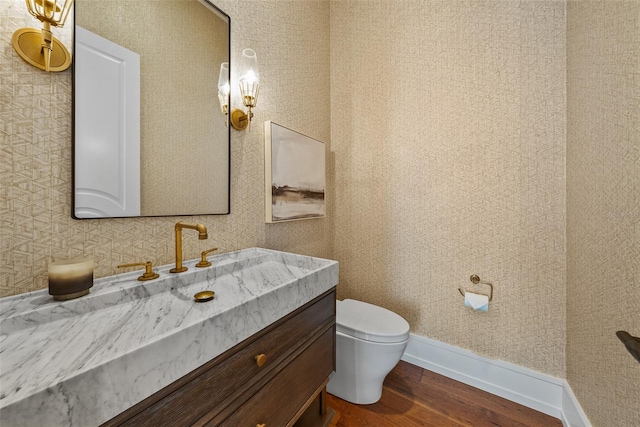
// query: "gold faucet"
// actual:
[[202, 234]]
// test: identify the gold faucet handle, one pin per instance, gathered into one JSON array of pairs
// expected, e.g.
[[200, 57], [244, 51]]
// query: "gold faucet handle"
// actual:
[[148, 273], [203, 258]]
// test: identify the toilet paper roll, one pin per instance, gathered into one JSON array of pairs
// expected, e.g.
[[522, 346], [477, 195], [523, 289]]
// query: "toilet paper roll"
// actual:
[[478, 302]]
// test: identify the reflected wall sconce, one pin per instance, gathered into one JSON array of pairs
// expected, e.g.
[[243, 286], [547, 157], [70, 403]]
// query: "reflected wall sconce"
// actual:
[[223, 90], [38, 47], [249, 87]]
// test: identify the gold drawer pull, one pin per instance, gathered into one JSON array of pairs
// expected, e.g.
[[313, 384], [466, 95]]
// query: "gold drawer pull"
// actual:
[[261, 359], [261, 425]]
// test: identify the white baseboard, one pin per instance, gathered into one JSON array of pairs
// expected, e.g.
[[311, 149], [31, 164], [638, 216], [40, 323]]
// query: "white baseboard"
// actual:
[[535, 390], [572, 413]]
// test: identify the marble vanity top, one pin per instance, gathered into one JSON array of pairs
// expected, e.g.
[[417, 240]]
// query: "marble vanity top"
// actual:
[[81, 362]]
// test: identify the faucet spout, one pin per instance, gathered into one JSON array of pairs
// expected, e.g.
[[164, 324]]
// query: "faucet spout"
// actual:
[[202, 235], [202, 231]]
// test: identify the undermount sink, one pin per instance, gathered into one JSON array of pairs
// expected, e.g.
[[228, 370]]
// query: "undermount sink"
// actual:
[[128, 339]]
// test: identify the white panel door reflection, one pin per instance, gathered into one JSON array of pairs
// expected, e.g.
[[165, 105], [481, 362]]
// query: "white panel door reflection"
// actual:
[[107, 127]]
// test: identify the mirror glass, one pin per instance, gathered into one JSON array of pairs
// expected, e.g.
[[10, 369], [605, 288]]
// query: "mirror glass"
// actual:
[[149, 136]]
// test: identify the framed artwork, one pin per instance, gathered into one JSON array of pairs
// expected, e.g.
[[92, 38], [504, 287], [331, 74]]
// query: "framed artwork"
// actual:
[[294, 167]]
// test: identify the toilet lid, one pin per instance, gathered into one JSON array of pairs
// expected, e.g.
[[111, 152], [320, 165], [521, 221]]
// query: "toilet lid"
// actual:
[[370, 322]]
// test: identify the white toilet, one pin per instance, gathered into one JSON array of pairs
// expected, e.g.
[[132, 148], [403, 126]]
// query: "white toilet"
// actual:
[[370, 341]]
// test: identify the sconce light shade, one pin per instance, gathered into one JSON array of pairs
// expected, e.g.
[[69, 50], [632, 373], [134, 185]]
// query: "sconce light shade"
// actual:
[[249, 87], [55, 12], [38, 47], [249, 78], [223, 88]]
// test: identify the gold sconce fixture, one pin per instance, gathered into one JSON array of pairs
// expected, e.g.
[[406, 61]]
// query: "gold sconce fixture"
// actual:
[[223, 90], [38, 47], [249, 87]]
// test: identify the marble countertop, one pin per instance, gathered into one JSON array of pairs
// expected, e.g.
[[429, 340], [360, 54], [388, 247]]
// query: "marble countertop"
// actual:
[[83, 361]]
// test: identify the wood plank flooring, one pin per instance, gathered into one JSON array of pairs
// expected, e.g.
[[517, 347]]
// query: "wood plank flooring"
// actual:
[[413, 396]]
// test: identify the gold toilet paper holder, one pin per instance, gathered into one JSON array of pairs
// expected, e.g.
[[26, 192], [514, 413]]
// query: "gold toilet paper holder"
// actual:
[[475, 279]]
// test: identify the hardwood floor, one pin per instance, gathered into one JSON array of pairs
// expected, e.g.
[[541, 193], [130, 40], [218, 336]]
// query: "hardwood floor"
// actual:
[[413, 396]]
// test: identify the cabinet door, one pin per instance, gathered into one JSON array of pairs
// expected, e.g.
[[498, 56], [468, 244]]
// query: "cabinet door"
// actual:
[[275, 404]]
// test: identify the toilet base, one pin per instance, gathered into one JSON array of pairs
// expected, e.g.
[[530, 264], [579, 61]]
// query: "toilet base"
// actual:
[[362, 395], [361, 368]]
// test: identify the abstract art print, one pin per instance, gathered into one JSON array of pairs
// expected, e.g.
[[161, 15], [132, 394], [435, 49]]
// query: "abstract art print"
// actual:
[[294, 175]]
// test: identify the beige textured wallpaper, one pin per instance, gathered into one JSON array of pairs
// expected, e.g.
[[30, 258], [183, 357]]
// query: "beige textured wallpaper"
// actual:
[[448, 130], [35, 152], [603, 207]]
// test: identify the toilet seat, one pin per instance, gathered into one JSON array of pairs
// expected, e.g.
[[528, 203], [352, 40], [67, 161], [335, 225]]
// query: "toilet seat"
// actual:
[[370, 322]]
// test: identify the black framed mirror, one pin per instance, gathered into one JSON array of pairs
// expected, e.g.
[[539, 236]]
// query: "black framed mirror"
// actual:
[[149, 136]]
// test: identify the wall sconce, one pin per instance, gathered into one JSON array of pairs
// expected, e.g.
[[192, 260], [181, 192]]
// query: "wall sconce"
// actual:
[[249, 88], [223, 90], [38, 47]]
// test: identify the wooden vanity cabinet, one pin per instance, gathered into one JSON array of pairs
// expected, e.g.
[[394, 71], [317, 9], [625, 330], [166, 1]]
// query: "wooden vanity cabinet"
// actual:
[[269, 378]]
